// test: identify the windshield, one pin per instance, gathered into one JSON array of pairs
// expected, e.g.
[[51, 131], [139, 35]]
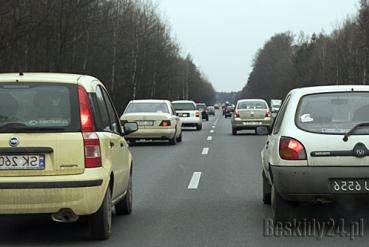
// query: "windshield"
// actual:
[[147, 108], [38, 106], [184, 106], [333, 113], [201, 107], [245, 105]]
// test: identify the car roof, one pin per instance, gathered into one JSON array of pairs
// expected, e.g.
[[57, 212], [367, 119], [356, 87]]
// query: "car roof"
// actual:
[[183, 101], [244, 100], [328, 89], [149, 101], [85, 80]]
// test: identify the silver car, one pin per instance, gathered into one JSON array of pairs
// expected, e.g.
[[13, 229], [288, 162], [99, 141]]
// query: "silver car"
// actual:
[[318, 148], [251, 114]]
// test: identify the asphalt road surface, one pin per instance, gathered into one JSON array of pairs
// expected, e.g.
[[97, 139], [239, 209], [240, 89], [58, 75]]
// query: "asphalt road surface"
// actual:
[[206, 191]]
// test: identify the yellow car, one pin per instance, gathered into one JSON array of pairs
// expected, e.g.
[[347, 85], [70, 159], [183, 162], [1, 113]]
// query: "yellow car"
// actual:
[[62, 150]]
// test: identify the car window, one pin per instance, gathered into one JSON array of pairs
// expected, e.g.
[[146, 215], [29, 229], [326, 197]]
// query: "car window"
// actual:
[[44, 105], [102, 120], [280, 116], [333, 113], [184, 106], [147, 107], [114, 122], [244, 105]]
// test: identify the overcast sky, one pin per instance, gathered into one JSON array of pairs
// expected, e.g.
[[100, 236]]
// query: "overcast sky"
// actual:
[[224, 35]]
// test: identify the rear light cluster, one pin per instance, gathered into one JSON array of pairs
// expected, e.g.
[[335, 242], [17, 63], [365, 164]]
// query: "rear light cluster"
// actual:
[[90, 139], [197, 114], [268, 114], [165, 123], [236, 114], [291, 149]]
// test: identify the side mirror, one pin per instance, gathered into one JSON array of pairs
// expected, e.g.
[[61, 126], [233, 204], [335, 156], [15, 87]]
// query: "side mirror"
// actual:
[[129, 127], [262, 130]]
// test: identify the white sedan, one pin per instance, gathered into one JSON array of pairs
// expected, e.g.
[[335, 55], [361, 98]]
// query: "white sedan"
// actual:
[[156, 120]]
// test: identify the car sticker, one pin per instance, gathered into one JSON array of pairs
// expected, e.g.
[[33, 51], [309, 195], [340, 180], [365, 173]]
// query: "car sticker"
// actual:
[[306, 118]]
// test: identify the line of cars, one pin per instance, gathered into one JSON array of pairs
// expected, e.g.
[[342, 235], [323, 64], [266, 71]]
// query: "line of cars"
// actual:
[[317, 149], [63, 149], [163, 120]]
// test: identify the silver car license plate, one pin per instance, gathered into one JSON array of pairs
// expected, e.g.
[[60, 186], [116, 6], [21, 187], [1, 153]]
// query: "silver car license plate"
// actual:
[[349, 185], [252, 123], [22, 162]]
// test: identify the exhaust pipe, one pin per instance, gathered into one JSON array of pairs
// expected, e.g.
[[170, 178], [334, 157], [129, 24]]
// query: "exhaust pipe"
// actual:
[[65, 215]]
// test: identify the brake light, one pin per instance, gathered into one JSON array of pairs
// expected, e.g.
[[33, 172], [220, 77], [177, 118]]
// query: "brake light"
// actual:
[[291, 149], [90, 139], [237, 114], [85, 111], [197, 114], [268, 114], [165, 123]]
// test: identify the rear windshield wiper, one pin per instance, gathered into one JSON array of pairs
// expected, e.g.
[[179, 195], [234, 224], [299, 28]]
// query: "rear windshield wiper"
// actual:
[[23, 127], [346, 136]]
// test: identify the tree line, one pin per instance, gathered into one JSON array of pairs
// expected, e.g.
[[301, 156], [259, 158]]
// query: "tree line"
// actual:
[[124, 43], [289, 61]]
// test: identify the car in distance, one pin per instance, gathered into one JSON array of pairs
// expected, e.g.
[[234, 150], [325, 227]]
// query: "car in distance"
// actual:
[[204, 110], [318, 148], [156, 120], [187, 111], [228, 110], [211, 110], [62, 150], [251, 114]]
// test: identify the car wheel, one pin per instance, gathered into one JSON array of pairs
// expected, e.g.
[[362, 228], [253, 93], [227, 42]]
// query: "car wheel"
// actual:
[[173, 141], [199, 126], [280, 207], [124, 206], [234, 131], [179, 139], [100, 222], [267, 195]]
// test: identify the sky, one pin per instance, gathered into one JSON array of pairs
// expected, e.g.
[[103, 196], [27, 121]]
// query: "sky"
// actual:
[[223, 36]]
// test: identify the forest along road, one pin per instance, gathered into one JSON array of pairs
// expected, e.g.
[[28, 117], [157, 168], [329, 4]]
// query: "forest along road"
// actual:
[[206, 191]]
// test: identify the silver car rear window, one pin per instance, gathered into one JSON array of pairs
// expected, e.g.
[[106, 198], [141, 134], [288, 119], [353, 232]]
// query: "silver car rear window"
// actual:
[[333, 113], [251, 105], [184, 106]]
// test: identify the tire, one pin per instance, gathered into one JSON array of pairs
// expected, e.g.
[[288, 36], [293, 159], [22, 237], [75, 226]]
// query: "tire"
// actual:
[[100, 222], [173, 141], [281, 208], [179, 139], [207, 118], [199, 126], [267, 195], [124, 206], [234, 131]]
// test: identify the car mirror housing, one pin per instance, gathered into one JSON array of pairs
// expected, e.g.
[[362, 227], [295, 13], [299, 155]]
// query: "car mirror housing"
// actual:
[[129, 127]]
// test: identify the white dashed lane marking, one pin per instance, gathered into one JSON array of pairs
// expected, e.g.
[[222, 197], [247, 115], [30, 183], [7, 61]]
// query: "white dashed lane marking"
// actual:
[[195, 180], [205, 151], [210, 138]]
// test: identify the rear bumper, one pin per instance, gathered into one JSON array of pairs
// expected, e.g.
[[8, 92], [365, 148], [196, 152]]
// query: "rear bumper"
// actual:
[[83, 194], [191, 121], [152, 134], [250, 124], [307, 183]]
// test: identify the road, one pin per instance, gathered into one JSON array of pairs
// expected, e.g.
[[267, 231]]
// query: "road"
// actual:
[[203, 192]]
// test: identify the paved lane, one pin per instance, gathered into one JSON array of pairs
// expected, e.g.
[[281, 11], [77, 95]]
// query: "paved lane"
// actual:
[[185, 196]]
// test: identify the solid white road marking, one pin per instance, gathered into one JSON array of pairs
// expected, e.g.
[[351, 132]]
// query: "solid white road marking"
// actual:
[[194, 182], [211, 131], [205, 151], [210, 138]]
